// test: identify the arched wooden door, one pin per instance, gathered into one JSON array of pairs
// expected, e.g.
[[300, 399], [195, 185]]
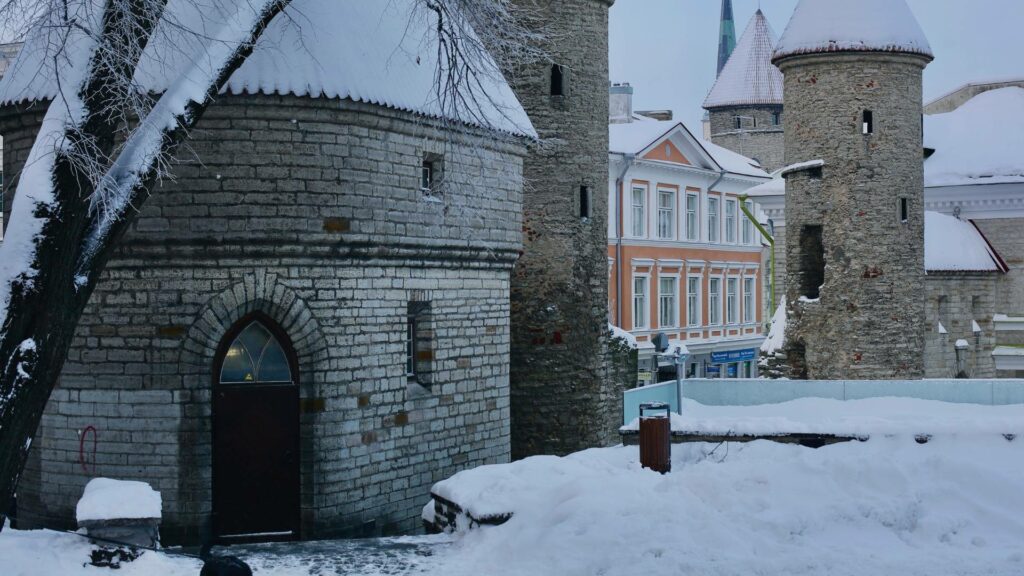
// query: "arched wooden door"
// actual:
[[256, 433]]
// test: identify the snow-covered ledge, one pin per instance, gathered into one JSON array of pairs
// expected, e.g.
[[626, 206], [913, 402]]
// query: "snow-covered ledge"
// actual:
[[119, 511], [1005, 323]]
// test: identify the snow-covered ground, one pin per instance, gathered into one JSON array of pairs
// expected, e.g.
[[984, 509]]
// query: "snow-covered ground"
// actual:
[[953, 506]]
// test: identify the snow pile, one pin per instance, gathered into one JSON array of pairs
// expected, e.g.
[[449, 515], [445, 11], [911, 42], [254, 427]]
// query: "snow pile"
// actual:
[[749, 77], [46, 553], [886, 506], [951, 244], [843, 26], [381, 52], [979, 142], [621, 334], [106, 499], [867, 417], [777, 333]]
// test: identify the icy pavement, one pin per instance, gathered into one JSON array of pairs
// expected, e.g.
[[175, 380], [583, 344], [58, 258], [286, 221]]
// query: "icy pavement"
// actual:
[[369, 557]]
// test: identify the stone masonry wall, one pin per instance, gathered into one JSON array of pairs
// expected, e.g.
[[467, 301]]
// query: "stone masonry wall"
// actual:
[[764, 142], [563, 398], [310, 211], [869, 321], [1007, 236], [955, 300]]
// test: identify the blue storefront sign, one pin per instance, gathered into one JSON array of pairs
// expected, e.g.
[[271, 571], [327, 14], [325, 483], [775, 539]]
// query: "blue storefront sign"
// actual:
[[713, 371], [733, 356], [730, 371]]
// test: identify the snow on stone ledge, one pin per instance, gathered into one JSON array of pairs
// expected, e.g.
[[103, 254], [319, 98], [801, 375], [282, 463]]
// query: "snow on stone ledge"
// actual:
[[800, 166], [107, 499], [623, 335], [848, 26]]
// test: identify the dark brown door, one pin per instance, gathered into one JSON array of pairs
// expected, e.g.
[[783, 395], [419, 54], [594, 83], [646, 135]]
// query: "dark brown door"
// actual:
[[256, 435]]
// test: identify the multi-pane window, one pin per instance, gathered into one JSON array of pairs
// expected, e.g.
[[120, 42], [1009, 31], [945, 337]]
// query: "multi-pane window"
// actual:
[[666, 214], [410, 346], [639, 302], [639, 211], [713, 223], [730, 221], [668, 309], [418, 345], [427, 176], [692, 217], [714, 301], [748, 226], [748, 300], [732, 303], [693, 301]]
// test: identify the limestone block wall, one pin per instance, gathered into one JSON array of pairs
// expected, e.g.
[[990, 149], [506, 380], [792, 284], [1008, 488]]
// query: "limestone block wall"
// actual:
[[563, 398], [1007, 236], [869, 320], [955, 300], [759, 138], [310, 211]]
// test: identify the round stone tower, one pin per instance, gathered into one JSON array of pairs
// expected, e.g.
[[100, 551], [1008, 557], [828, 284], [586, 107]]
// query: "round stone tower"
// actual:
[[563, 397], [854, 189]]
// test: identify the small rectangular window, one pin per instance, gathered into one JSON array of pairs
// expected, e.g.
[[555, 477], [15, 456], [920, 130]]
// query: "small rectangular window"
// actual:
[[869, 122], [904, 210], [692, 217], [732, 304], [713, 222], [739, 122], [639, 302], [557, 80], [419, 353], [584, 201], [427, 176], [776, 118], [668, 309], [748, 300], [693, 301], [730, 221], [666, 214], [714, 301], [639, 211]]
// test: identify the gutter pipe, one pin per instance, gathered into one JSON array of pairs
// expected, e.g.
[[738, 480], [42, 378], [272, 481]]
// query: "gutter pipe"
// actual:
[[620, 191]]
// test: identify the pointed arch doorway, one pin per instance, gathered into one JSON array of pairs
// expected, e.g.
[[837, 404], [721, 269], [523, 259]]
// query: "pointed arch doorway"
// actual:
[[255, 433]]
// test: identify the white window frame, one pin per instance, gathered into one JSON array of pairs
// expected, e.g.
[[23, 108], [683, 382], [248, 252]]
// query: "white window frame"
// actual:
[[674, 316], [732, 300], [749, 299], [693, 225], [714, 219], [667, 215], [694, 317], [715, 301], [633, 206], [748, 226], [730, 220], [646, 303]]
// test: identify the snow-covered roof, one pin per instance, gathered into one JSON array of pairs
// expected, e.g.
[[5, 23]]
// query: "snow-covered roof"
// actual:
[[801, 166], [380, 52], [981, 142], [846, 26], [749, 77], [774, 187], [953, 245], [635, 137]]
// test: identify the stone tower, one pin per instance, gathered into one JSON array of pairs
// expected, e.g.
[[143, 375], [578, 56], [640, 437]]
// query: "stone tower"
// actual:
[[745, 105], [563, 398], [854, 189]]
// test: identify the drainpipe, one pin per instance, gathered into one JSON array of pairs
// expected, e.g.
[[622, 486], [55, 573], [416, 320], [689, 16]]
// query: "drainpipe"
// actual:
[[771, 244], [620, 191]]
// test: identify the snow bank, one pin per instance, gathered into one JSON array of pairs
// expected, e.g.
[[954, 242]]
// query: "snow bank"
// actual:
[[979, 142], [955, 245], [46, 553], [842, 25], [868, 417], [777, 333], [887, 506], [106, 499]]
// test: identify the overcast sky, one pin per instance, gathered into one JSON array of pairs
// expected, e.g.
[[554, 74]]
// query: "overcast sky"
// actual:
[[667, 49]]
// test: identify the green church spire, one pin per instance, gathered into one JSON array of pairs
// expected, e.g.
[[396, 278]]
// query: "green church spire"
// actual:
[[726, 35]]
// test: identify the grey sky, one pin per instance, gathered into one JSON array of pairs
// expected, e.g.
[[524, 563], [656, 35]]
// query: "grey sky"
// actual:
[[667, 48]]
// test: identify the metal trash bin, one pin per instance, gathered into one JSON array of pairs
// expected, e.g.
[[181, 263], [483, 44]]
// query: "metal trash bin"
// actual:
[[656, 437]]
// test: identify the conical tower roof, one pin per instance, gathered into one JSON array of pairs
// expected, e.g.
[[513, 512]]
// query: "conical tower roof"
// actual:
[[844, 26], [749, 78]]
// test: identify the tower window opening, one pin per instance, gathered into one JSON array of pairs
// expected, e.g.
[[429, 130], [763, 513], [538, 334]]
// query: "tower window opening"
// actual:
[[739, 122], [869, 122], [812, 262], [776, 118], [904, 210], [585, 202], [557, 80]]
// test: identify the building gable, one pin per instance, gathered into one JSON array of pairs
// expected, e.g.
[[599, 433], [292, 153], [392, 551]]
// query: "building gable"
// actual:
[[667, 152]]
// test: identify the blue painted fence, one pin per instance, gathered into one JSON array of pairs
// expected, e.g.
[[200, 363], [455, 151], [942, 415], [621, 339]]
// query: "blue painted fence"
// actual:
[[752, 392]]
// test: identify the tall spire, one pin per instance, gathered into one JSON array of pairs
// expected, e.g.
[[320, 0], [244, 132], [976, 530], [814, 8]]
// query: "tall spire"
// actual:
[[726, 35]]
